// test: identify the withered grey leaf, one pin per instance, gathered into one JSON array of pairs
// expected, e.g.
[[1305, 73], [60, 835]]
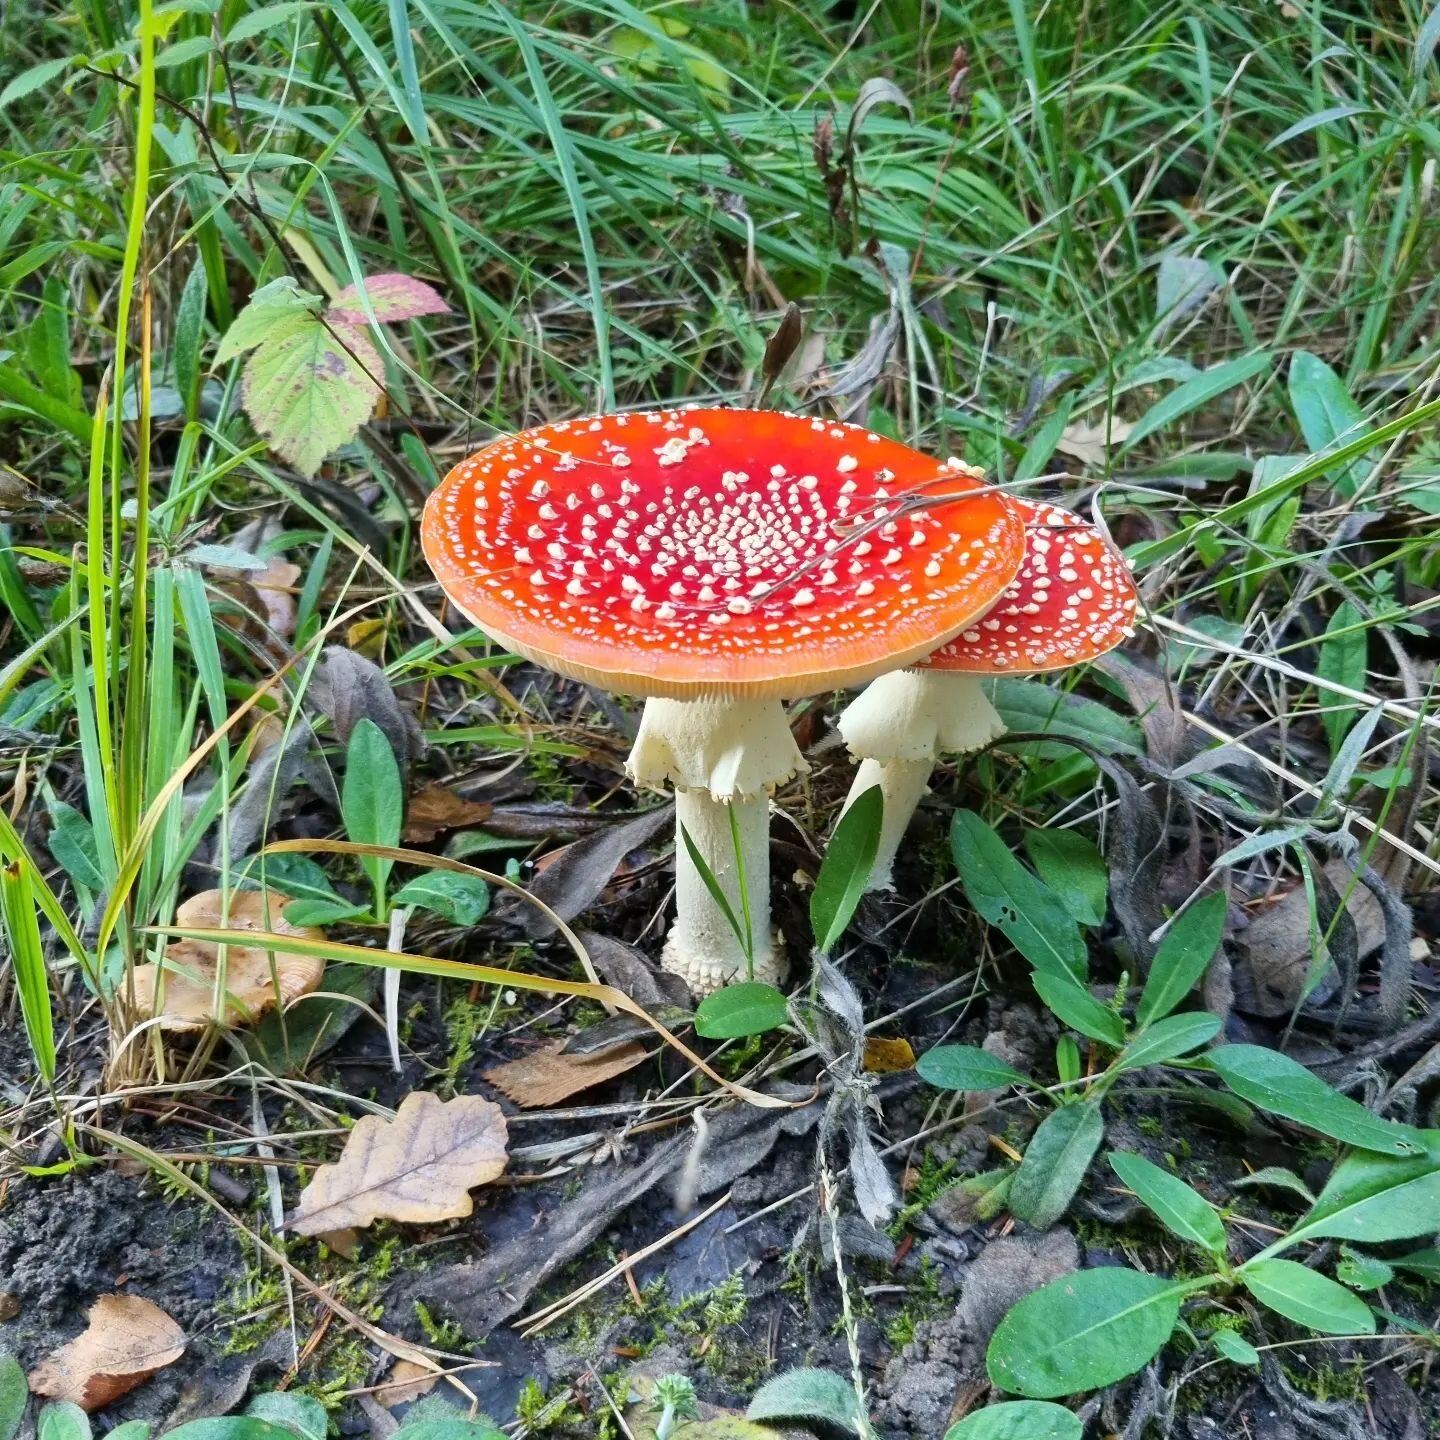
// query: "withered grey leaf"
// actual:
[[349, 688], [577, 874], [626, 969], [485, 1293], [782, 344]]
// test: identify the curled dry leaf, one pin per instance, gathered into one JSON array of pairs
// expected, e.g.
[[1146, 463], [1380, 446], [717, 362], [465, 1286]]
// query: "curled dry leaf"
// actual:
[[254, 978], [127, 1339], [406, 1381], [551, 1075], [420, 1166], [436, 808]]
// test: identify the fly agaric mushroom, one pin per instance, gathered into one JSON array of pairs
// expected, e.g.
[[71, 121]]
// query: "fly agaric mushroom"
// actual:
[[716, 563], [255, 979], [1071, 601]]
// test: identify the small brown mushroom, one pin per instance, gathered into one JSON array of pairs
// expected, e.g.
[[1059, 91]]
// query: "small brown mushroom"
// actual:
[[254, 978]]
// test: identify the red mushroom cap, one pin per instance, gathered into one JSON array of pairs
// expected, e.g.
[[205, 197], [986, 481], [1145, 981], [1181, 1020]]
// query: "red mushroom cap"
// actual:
[[1071, 601], [717, 553]]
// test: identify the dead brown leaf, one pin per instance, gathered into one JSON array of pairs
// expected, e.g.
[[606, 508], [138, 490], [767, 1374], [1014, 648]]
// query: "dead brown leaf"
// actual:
[[437, 808], [1090, 443], [419, 1166], [251, 976], [127, 1339], [406, 1381], [550, 1076]]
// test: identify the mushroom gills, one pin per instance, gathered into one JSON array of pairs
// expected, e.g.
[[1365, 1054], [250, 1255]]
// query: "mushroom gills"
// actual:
[[723, 757], [899, 726]]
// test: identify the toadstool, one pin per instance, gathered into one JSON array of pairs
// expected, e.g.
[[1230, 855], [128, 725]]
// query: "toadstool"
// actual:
[[255, 979], [716, 563], [1072, 600]]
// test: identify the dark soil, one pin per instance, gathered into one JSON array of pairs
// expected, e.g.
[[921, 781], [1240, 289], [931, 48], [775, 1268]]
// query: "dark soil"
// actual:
[[731, 1301]]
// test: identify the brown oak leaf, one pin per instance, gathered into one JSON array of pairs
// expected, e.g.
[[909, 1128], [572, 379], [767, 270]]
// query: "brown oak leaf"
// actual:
[[419, 1166], [127, 1339]]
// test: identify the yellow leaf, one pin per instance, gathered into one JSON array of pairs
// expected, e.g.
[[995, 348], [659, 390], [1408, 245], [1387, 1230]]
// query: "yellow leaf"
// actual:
[[366, 637], [419, 1166], [888, 1056]]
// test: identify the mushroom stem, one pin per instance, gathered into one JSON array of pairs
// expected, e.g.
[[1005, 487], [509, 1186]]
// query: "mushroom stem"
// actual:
[[718, 753], [903, 784], [703, 945], [898, 727]]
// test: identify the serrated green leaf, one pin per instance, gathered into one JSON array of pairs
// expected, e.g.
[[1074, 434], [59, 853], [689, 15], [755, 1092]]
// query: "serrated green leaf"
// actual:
[[1181, 1210], [1006, 895], [1082, 1332], [460, 899], [1073, 867], [1056, 1159], [749, 1007], [966, 1067], [1184, 953], [280, 300], [1018, 1420], [1281, 1085], [845, 870], [33, 79], [1168, 1039], [1307, 1297], [267, 17], [310, 387]]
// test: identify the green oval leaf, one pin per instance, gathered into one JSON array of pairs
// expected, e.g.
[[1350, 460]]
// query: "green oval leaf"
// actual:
[[1235, 1347], [1005, 894], [304, 1415], [461, 899], [14, 1394], [808, 1395], [1168, 1039], [1074, 869], [1181, 1210], [966, 1067], [1082, 1332], [1279, 1084], [1056, 1159], [1327, 414], [749, 1007], [1361, 1271], [1374, 1198], [372, 798], [1424, 1263], [64, 1420], [1018, 1420], [845, 871], [1307, 1297], [1184, 953], [1068, 999]]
